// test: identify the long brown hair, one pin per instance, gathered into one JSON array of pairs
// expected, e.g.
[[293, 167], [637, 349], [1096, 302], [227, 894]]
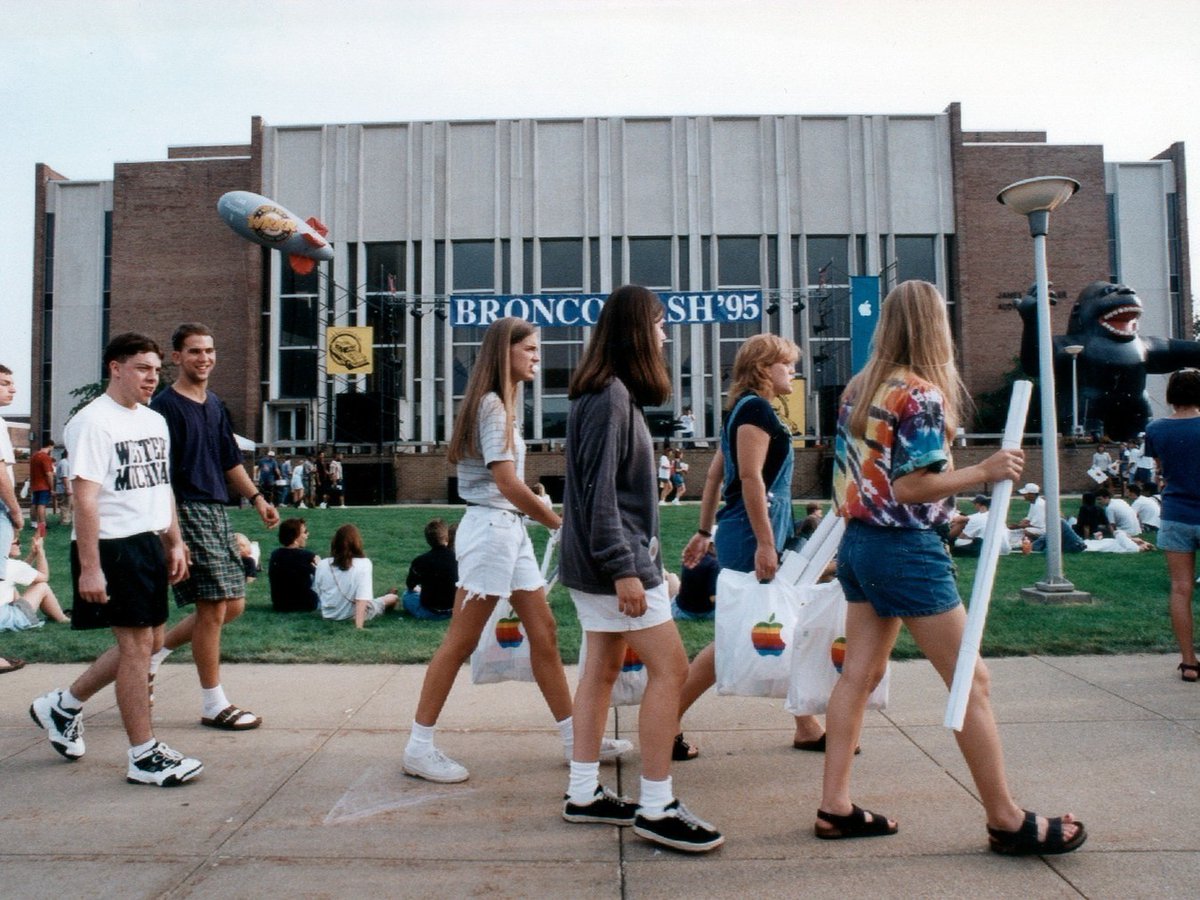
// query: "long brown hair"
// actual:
[[754, 358], [491, 374], [624, 346], [913, 336], [346, 546]]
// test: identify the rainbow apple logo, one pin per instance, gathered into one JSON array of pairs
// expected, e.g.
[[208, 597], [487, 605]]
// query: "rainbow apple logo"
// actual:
[[767, 637], [632, 662], [508, 632], [837, 653]]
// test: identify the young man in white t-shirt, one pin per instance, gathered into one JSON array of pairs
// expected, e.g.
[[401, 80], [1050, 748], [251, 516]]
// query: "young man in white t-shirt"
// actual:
[[11, 519], [125, 549]]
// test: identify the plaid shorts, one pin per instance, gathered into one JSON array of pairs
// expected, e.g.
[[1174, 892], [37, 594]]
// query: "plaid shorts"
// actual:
[[216, 571]]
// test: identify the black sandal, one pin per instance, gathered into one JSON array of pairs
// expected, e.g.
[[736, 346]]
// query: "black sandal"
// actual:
[[1184, 668], [1024, 841], [682, 751], [854, 825]]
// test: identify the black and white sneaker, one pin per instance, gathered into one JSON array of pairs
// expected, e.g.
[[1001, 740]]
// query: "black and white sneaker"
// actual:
[[162, 766], [64, 727], [678, 828], [606, 808]]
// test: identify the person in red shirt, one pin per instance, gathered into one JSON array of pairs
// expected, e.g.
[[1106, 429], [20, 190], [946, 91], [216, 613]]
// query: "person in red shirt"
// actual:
[[41, 483]]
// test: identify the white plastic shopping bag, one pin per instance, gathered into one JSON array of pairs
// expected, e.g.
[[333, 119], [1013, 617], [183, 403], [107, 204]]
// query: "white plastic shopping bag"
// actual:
[[819, 647], [754, 630], [502, 653], [631, 681]]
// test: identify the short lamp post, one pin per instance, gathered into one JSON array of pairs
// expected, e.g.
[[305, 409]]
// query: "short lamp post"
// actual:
[[1036, 198], [1075, 350]]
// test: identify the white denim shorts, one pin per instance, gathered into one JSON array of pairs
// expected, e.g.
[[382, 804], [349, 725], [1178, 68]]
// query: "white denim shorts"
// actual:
[[495, 555], [598, 612]]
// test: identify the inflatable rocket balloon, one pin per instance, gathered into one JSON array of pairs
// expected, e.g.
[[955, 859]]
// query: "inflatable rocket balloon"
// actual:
[[265, 222]]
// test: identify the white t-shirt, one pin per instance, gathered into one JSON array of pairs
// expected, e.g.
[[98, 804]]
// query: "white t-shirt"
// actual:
[[1147, 511], [6, 450], [17, 574], [475, 481], [1037, 516], [1122, 517], [976, 522], [664, 468], [338, 590], [127, 452]]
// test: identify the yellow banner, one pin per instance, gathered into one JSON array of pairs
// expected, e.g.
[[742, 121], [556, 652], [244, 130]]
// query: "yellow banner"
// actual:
[[791, 407], [349, 350]]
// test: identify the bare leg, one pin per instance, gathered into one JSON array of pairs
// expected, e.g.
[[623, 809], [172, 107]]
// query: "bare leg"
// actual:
[[466, 625], [135, 646], [39, 596], [939, 638], [203, 630], [1182, 568], [594, 692], [544, 657], [666, 663]]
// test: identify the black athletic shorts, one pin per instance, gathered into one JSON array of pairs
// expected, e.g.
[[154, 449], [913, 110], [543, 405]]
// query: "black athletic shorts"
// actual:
[[136, 571]]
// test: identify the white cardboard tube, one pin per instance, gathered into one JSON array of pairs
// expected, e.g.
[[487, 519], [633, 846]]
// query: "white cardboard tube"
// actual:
[[995, 531]]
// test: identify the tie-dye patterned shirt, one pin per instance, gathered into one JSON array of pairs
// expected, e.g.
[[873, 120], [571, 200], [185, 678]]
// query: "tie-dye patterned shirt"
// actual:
[[906, 431]]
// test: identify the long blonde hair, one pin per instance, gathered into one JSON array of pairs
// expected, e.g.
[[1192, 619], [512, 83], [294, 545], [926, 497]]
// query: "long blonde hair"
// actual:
[[754, 359], [912, 337], [492, 373]]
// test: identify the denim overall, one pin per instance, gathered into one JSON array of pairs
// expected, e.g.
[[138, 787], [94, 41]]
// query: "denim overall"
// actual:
[[735, 539]]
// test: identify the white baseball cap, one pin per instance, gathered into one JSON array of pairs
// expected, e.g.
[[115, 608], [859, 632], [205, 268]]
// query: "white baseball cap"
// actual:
[[1030, 488]]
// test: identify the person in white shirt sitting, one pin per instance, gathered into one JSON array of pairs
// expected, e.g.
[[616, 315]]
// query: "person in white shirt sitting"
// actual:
[[1120, 514], [966, 532], [1145, 505], [343, 581], [1034, 524], [19, 610]]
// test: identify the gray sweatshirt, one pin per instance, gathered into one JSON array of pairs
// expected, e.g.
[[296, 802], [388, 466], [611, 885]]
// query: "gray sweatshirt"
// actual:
[[610, 507]]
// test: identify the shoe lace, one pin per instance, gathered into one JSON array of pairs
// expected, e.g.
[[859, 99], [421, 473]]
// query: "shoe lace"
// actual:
[[690, 819], [165, 754], [609, 794], [74, 729]]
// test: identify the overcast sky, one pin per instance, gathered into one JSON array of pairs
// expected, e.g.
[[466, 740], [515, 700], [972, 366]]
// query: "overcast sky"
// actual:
[[88, 83]]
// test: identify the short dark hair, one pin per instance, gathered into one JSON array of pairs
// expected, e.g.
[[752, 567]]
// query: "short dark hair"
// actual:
[[289, 530], [1103, 493], [127, 344], [185, 331], [436, 533], [5, 370], [1183, 388]]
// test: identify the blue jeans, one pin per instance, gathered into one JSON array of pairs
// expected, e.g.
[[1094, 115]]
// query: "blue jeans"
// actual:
[[411, 601]]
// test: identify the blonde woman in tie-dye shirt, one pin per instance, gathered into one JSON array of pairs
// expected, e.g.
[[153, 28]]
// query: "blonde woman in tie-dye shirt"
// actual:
[[893, 481]]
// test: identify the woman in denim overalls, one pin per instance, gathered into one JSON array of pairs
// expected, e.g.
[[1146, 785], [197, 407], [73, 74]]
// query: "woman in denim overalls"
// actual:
[[754, 465]]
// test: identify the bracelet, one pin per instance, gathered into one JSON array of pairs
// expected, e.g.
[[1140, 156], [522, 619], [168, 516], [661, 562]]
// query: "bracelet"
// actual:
[[703, 533], [255, 497]]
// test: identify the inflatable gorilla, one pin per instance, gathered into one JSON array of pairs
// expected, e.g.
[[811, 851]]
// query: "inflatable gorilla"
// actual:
[[1113, 364]]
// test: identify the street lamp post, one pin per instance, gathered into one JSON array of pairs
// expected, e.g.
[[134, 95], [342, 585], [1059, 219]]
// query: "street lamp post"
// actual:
[[1036, 198], [1075, 350]]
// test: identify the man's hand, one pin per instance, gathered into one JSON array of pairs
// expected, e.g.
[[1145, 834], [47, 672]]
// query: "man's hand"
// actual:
[[93, 587], [178, 562]]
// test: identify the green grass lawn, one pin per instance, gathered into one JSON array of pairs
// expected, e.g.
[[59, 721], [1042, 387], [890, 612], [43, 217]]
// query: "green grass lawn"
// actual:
[[1129, 615]]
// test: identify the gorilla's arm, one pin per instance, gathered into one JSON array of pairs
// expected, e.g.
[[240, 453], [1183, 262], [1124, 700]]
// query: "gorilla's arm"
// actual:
[[1027, 307], [1165, 355]]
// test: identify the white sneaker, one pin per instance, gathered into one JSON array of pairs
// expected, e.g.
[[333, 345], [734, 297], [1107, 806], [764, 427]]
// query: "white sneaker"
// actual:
[[675, 502], [64, 727], [434, 766], [324, 506], [162, 766], [610, 749]]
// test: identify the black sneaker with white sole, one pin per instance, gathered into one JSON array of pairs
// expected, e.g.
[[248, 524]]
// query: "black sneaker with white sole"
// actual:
[[63, 726], [162, 766], [679, 829], [606, 808]]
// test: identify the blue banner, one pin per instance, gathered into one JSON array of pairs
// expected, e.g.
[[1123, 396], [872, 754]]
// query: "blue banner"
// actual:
[[864, 314], [564, 310]]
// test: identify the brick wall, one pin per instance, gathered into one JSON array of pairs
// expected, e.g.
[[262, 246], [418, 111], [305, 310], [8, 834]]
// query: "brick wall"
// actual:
[[995, 251], [167, 237]]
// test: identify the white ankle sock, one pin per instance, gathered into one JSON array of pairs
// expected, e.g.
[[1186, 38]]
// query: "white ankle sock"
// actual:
[[655, 795], [157, 658], [585, 778], [139, 749], [67, 700], [566, 730], [214, 699], [420, 739]]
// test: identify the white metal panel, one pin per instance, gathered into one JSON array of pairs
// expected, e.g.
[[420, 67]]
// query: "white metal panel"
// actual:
[[915, 181], [1141, 190], [471, 180], [737, 173], [825, 187], [299, 171], [648, 177], [385, 183], [559, 178]]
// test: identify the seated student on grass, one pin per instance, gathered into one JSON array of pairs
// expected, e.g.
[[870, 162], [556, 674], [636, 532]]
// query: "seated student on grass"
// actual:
[[696, 599], [290, 570], [343, 581], [433, 576], [1091, 521], [966, 532], [1120, 514], [19, 610], [248, 553], [1145, 505]]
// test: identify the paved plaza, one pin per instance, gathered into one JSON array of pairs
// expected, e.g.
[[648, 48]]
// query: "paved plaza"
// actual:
[[313, 804]]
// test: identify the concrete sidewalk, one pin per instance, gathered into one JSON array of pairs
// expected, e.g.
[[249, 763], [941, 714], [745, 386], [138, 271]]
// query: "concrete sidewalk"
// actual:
[[313, 804]]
